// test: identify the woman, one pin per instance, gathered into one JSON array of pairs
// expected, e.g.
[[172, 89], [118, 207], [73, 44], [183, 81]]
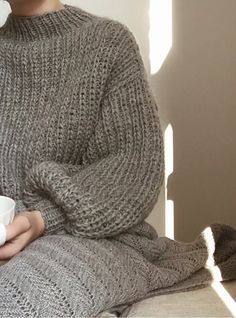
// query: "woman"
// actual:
[[82, 155]]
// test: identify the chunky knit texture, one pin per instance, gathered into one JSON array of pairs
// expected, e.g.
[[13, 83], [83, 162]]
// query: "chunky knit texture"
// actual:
[[81, 142]]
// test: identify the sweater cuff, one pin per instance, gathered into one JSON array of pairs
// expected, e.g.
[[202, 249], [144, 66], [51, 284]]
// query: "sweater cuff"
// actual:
[[53, 216]]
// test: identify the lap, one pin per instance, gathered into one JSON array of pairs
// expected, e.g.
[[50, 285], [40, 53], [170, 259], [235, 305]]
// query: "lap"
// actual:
[[66, 276]]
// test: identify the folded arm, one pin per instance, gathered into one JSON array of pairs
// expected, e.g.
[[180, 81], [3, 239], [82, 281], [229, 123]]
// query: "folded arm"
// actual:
[[120, 178]]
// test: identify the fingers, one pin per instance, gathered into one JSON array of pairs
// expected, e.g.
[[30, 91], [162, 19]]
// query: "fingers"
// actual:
[[19, 234], [19, 225], [13, 247]]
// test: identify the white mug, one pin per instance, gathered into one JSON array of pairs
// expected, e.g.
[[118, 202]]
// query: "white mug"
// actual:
[[7, 209], [7, 213]]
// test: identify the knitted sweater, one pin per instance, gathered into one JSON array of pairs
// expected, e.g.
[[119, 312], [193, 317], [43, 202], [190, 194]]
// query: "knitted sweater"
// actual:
[[81, 142]]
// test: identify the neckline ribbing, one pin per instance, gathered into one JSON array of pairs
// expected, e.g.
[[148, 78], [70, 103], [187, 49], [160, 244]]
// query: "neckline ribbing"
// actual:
[[46, 25]]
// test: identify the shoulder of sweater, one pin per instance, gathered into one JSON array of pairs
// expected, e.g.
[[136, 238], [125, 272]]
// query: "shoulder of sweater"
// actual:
[[117, 38], [110, 29], [111, 26], [124, 58]]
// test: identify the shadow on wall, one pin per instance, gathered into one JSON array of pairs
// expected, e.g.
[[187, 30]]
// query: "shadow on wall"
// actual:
[[195, 90]]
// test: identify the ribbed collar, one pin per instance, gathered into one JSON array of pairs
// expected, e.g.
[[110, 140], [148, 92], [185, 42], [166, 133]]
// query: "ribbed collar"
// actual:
[[47, 25]]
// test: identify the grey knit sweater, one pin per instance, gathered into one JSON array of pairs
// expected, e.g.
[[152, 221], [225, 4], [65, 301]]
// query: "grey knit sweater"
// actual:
[[81, 142]]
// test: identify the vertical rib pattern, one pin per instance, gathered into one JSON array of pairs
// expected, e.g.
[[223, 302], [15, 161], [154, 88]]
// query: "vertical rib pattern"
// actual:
[[81, 142], [81, 99]]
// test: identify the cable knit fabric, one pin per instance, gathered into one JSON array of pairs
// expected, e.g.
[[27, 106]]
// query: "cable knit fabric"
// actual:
[[81, 142]]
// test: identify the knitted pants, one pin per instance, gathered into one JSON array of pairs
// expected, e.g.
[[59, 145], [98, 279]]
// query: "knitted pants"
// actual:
[[66, 276]]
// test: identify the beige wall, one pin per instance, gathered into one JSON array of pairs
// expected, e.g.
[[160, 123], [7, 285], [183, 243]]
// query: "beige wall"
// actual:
[[196, 89], [196, 93]]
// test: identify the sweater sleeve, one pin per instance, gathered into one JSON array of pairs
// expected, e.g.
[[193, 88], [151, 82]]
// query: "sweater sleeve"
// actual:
[[119, 180]]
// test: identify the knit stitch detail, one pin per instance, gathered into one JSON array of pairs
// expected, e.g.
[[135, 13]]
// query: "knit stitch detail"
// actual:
[[81, 142]]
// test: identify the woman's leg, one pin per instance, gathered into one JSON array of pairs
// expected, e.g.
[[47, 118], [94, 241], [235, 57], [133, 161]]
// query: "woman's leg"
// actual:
[[66, 276]]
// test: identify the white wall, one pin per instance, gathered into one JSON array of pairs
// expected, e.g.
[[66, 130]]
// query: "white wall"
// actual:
[[195, 90]]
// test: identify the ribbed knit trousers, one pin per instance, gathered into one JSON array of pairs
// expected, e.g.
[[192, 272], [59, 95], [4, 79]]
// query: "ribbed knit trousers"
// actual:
[[66, 276]]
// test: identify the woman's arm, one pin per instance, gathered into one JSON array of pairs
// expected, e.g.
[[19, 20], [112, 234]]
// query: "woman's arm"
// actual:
[[119, 181]]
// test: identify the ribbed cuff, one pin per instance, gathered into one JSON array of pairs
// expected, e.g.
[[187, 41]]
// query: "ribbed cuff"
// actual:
[[53, 216]]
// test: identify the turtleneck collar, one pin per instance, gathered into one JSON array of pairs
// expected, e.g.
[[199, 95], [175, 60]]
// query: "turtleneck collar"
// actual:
[[46, 25]]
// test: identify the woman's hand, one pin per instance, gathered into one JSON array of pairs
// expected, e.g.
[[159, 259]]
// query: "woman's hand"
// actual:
[[25, 228]]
